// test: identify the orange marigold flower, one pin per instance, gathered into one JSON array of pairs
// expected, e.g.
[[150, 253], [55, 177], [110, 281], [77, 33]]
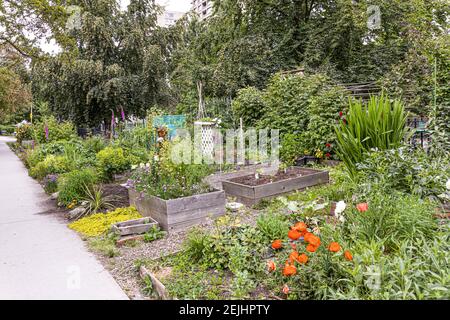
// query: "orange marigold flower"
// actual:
[[285, 289], [293, 256], [300, 226], [302, 259], [289, 270], [307, 235], [362, 207], [315, 241], [311, 248], [271, 266], [277, 244], [294, 234], [334, 247], [348, 255]]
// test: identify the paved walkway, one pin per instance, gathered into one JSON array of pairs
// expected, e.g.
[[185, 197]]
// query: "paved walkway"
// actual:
[[40, 258]]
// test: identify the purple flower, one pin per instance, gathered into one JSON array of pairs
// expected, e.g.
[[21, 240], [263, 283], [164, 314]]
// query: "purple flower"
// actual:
[[46, 132], [122, 113]]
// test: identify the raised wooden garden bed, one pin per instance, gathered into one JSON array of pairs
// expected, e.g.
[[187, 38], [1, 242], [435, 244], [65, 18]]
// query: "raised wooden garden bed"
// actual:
[[180, 213], [251, 191], [138, 226]]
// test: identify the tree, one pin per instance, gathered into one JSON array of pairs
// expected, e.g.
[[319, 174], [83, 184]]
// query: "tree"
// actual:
[[119, 64]]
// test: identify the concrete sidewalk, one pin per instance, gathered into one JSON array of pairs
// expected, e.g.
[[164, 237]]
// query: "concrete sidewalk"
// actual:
[[40, 258]]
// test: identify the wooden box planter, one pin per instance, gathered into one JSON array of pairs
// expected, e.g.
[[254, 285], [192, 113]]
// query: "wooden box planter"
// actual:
[[251, 195], [179, 213], [138, 226]]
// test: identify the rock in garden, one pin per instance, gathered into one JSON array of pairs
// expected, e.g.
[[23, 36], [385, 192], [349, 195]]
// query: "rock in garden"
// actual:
[[73, 214], [234, 206], [54, 196]]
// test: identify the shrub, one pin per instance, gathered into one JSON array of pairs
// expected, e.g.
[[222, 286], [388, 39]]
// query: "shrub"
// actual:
[[111, 161], [249, 105], [7, 130], [381, 125], [56, 131], [72, 186], [98, 224], [24, 132], [50, 165], [50, 183], [323, 116], [94, 144], [292, 147], [288, 98], [406, 171]]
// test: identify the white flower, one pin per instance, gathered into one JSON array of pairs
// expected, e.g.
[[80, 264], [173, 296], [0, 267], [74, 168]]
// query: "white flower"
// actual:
[[341, 218], [147, 165], [134, 167], [156, 158], [142, 166], [340, 207], [160, 139], [448, 184]]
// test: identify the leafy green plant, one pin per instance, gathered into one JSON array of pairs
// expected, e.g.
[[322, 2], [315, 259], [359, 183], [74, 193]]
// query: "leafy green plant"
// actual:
[[379, 125], [273, 225], [100, 223], [56, 131], [249, 105], [24, 132], [105, 245], [404, 170], [155, 233], [96, 200], [292, 147], [72, 185], [111, 161], [50, 165]]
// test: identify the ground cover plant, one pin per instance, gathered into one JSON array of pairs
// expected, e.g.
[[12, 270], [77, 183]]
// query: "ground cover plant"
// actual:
[[100, 223]]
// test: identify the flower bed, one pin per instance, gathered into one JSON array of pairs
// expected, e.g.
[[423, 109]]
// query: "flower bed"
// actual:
[[179, 213], [251, 189]]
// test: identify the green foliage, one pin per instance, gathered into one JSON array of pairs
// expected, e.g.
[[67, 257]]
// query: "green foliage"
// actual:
[[406, 171], [100, 223], [7, 130], [111, 161], [393, 218], [292, 146], [72, 185], [96, 201], [105, 245], [249, 105], [379, 125], [94, 144], [323, 115], [155, 233], [24, 132], [50, 165], [273, 225], [56, 131], [288, 98], [168, 180]]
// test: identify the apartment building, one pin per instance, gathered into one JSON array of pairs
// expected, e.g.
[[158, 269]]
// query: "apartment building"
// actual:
[[203, 8], [169, 18]]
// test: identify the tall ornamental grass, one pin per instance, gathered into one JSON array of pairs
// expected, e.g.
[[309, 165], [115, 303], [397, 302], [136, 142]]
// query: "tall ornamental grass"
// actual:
[[379, 124]]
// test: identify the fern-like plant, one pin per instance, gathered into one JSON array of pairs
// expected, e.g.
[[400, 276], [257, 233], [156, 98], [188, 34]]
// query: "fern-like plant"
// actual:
[[381, 124]]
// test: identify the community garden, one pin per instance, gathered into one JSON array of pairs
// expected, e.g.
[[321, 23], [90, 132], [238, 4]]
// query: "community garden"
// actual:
[[354, 205]]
